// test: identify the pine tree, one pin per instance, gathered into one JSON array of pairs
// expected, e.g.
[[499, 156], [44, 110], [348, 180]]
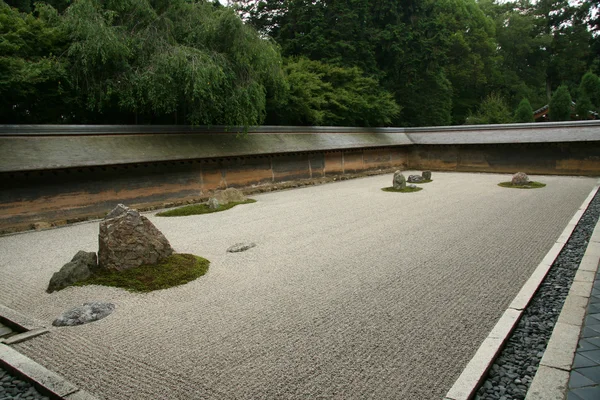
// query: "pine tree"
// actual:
[[524, 112], [560, 104]]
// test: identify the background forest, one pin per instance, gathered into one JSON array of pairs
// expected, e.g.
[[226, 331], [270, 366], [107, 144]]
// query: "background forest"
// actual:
[[297, 62]]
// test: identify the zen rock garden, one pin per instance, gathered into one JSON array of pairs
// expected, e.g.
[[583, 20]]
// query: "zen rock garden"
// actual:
[[399, 182], [133, 254], [520, 180]]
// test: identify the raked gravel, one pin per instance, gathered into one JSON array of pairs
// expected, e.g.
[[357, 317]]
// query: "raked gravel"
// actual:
[[350, 293]]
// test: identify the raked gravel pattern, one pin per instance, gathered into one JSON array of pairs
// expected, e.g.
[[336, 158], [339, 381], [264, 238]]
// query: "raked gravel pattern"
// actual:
[[350, 293]]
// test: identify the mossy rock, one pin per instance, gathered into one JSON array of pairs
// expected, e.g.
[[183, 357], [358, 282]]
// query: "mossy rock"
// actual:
[[197, 209], [529, 185], [175, 270], [425, 181], [405, 190]]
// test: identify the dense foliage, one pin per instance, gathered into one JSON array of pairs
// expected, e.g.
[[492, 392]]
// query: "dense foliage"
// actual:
[[524, 112], [560, 105], [297, 62]]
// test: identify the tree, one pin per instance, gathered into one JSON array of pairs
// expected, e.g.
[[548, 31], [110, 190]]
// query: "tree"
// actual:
[[524, 112], [493, 110], [323, 94], [583, 107], [590, 88], [560, 105]]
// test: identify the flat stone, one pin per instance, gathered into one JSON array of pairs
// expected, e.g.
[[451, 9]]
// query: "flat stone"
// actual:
[[548, 384], [88, 312], [238, 247], [561, 347]]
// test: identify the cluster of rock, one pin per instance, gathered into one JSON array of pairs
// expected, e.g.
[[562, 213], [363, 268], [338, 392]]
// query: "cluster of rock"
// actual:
[[400, 181], [126, 240], [223, 197], [520, 179]]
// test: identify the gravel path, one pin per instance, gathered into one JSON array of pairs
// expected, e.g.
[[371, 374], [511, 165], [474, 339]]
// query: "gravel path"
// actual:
[[350, 293]]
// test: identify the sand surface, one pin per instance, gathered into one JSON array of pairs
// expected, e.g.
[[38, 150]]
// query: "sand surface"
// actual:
[[350, 293]]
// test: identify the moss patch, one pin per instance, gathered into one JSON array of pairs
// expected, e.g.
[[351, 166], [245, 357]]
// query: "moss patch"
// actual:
[[175, 270], [530, 185], [405, 190], [203, 208]]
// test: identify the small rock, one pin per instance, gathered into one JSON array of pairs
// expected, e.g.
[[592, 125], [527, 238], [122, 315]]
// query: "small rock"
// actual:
[[520, 178], [426, 175], [78, 269], [230, 195], [38, 226], [238, 247], [415, 179], [88, 312], [399, 181], [213, 203], [411, 186]]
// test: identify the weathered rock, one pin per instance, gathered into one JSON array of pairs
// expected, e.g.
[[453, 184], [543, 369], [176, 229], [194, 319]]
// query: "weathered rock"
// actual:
[[230, 195], [120, 209], [38, 226], [130, 240], [411, 186], [78, 269], [213, 203], [520, 178], [415, 179], [236, 248], [89, 312], [426, 175], [399, 180]]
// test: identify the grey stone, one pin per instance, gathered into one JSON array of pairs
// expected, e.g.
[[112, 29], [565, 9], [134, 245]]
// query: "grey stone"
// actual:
[[118, 210], [412, 186], [78, 269], [399, 180], [238, 247], [130, 240], [415, 179], [520, 178], [426, 175], [88, 312], [230, 195], [213, 203]]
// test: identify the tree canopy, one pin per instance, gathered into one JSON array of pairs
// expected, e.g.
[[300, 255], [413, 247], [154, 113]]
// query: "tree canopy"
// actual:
[[348, 62]]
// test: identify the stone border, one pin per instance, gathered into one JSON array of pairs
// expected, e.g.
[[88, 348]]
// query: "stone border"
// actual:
[[552, 379], [42, 378], [469, 380]]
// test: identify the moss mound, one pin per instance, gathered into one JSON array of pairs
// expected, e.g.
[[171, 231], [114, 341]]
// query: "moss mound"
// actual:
[[405, 190], [196, 209], [175, 270], [530, 185]]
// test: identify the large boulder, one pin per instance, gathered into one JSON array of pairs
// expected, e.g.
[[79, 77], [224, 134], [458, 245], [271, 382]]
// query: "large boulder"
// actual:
[[399, 180], [81, 267], [415, 179], [230, 195], [88, 312], [520, 179], [128, 239], [426, 175]]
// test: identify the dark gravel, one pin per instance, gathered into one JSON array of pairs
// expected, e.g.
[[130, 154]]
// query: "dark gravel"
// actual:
[[11, 387], [511, 375]]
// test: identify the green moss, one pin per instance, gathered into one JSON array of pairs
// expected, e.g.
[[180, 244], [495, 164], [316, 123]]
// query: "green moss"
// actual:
[[203, 208], [530, 185], [405, 190], [175, 270]]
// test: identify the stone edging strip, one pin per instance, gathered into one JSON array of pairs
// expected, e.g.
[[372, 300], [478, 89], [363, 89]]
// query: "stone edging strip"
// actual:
[[469, 380], [552, 378], [43, 378]]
